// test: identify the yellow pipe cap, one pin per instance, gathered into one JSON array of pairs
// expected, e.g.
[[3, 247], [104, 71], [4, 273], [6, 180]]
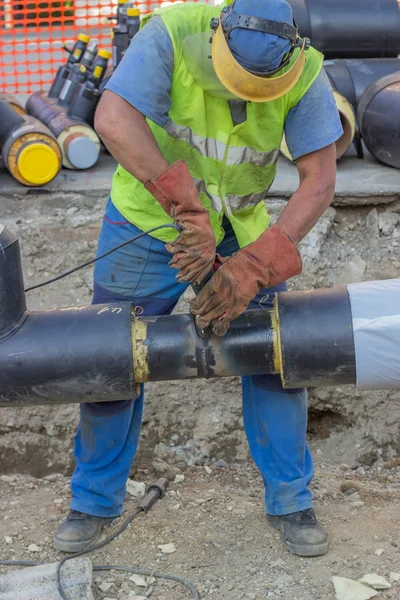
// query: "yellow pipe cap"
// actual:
[[104, 54], [38, 163], [82, 37], [133, 12]]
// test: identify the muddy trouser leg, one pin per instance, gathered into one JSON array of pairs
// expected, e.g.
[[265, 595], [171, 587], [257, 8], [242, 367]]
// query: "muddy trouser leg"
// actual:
[[275, 421], [108, 435]]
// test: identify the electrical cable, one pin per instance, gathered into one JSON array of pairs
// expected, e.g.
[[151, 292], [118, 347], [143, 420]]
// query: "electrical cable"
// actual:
[[142, 507], [93, 260]]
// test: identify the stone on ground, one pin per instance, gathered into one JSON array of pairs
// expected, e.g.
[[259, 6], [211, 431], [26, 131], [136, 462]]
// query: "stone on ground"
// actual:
[[347, 589], [375, 581], [37, 583]]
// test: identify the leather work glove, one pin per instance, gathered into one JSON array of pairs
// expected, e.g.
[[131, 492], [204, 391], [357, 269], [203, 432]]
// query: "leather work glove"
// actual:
[[194, 249], [271, 259]]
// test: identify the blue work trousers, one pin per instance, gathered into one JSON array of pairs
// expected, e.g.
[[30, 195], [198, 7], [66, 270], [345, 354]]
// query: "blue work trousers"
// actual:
[[275, 420]]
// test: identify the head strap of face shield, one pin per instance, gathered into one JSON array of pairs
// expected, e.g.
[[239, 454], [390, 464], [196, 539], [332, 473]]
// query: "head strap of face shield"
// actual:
[[282, 30]]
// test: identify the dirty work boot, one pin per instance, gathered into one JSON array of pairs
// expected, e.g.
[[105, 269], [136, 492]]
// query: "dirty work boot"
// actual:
[[78, 531], [301, 532]]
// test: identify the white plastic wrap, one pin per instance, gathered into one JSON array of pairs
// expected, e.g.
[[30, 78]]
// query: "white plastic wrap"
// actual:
[[375, 307]]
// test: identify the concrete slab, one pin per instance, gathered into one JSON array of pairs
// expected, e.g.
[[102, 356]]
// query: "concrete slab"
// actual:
[[358, 181], [37, 583]]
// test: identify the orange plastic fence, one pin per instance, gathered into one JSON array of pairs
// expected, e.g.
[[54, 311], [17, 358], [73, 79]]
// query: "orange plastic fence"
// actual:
[[33, 32]]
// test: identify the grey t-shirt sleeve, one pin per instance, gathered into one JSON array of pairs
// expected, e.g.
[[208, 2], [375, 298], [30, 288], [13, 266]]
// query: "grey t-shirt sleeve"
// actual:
[[144, 76], [314, 122]]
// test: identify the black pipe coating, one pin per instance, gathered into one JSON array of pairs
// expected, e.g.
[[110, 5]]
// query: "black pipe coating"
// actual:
[[351, 77], [316, 338], [379, 119], [9, 120], [350, 28], [12, 295]]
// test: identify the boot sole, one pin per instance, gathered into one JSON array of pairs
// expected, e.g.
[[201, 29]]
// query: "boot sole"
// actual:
[[305, 549]]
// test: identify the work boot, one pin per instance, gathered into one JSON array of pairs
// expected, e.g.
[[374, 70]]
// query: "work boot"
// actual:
[[301, 532], [79, 531]]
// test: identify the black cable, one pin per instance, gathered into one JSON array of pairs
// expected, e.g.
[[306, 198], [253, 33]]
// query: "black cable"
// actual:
[[136, 570], [93, 260]]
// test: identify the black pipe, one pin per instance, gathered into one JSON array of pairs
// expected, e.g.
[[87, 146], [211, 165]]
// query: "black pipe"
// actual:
[[9, 120], [350, 28], [379, 119], [12, 296], [316, 338], [174, 350], [352, 77]]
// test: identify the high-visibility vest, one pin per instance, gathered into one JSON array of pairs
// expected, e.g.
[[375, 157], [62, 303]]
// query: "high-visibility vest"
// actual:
[[232, 166]]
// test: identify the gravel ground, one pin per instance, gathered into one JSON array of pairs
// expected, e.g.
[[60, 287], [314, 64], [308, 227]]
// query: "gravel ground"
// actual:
[[214, 519]]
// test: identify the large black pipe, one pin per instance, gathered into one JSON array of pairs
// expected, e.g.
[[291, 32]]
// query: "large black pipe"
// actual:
[[379, 119], [12, 296], [352, 77], [350, 28]]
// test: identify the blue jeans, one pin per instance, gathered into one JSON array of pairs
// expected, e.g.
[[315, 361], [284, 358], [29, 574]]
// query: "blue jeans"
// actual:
[[275, 420]]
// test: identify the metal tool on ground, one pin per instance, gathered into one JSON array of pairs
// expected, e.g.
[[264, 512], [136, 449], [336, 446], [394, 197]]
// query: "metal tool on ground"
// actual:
[[30, 151], [75, 55], [348, 120], [379, 119], [350, 29], [79, 143], [14, 103], [318, 337]]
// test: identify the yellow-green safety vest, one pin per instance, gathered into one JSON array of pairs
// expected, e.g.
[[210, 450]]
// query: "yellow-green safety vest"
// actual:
[[233, 166]]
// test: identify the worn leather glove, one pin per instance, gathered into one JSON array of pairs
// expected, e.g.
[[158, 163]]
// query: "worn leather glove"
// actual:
[[271, 259], [194, 249]]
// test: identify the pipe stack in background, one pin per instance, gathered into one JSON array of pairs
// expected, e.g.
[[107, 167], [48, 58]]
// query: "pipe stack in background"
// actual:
[[361, 42], [68, 109], [28, 148]]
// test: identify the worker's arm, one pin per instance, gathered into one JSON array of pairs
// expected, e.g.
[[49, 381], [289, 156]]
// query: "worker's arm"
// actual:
[[317, 172], [126, 134]]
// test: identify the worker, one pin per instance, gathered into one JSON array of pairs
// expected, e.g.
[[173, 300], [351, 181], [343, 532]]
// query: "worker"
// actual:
[[194, 115]]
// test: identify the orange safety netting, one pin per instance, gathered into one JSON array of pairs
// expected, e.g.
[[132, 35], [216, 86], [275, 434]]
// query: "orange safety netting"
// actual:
[[33, 32]]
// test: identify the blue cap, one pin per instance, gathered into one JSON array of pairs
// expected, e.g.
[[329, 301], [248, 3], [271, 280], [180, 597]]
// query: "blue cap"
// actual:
[[254, 50]]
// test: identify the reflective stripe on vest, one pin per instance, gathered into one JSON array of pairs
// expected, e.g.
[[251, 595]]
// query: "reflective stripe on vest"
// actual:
[[232, 201], [236, 155]]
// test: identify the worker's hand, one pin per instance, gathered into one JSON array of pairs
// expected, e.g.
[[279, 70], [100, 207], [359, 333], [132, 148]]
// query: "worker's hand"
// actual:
[[271, 259], [194, 250]]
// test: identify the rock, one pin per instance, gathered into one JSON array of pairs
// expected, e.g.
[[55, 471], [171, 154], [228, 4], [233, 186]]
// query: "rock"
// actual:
[[138, 580], [40, 582], [312, 244], [163, 469], [8, 539], [372, 224], [375, 581], [357, 504], [347, 589], [105, 586], [221, 464], [387, 222], [394, 577], [250, 595], [180, 478], [283, 580], [208, 470], [167, 548], [379, 551], [278, 563], [350, 486], [33, 548], [7, 478], [353, 271], [52, 477], [136, 489]]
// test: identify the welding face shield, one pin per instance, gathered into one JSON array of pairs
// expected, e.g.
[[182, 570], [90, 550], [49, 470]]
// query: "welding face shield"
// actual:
[[221, 63]]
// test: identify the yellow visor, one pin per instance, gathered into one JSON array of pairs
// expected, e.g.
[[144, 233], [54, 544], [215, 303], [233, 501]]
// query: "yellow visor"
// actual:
[[246, 85]]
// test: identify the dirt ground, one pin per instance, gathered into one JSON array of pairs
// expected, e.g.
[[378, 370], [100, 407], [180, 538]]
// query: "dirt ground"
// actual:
[[223, 545]]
